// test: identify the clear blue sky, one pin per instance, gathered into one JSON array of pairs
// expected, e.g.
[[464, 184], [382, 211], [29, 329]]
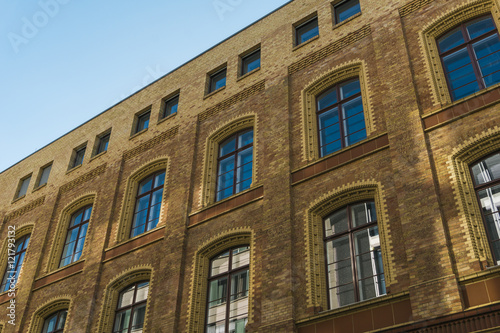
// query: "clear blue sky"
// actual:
[[64, 61]]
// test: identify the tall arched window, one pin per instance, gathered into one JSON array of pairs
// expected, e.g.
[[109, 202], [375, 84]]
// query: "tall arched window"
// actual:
[[227, 308], [55, 322], [341, 120], [486, 177], [235, 163], [148, 203], [353, 255], [75, 237], [14, 268], [131, 308], [470, 54]]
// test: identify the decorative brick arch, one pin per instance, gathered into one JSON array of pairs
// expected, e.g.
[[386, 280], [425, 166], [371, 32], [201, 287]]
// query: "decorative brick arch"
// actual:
[[62, 228], [112, 292], [207, 195], [200, 270], [128, 203], [352, 69], [440, 25], [327, 204], [463, 187], [50, 307]]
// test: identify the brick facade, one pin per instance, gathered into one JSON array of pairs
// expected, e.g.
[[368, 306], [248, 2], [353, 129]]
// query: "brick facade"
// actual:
[[414, 164]]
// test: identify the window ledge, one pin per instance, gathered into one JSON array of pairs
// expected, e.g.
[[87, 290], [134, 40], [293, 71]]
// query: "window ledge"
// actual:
[[59, 274], [486, 272], [214, 92], [247, 74], [98, 155], [138, 133], [74, 168], [4, 296], [133, 244], [170, 116], [296, 47], [39, 187], [18, 199], [335, 26]]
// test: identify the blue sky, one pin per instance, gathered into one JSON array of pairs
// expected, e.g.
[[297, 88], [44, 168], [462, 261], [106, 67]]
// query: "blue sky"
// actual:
[[64, 61]]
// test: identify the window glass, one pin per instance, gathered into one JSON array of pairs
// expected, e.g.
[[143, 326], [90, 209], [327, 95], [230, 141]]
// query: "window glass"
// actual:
[[353, 256], [250, 62], [306, 31], [23, 188], [217, 80], [451, 39], [103, 143], [44, 177], [75, 237], [79, 155], [171, 106], [131, 308], [142, 122], [12, 272], [479, 27], [55, 322], [148, 203], [487, 170], [346, 9]]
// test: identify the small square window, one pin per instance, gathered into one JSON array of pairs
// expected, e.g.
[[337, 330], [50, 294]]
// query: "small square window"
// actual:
[[306, 31], [346, 9], [23, 186], [250, 62], [217, 80], [102, 145], [44, 175], [171, 105], [142, 122], [78, 158]]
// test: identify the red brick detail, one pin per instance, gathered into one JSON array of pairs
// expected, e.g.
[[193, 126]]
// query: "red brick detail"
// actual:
[[78, 268], [476, 294], [226, 206], [493, 286], [136, 243], [5, 298], [343, 157], [402, 312]]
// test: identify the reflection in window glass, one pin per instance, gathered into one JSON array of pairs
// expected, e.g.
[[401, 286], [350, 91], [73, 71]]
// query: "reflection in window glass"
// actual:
[[12, 272], [306, 31], [131, 308], [75, 237], [346, 9]]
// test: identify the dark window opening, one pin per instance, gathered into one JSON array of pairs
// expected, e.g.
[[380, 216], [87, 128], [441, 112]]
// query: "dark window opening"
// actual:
[[250, 62], [306, 31]]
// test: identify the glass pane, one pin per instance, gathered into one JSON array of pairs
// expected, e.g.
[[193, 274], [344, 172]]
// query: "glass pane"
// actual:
[[51, 325], [492, 79], [245, 156], [45, 175], [159, 179], [346, 9], [225, 181], [76, 219], [456, 60], [330, 135], [479, 27], [338, 249], [490, 199], [343, 295], [465, 90], [328, 118], [237, 325], [241, 257], [142, 203], [26, 241], [450, 40], [487, 170], [157, 195], [367, 289], [142, 292], [350, 88], [307, 31], [154, 213], [339, 273], [122, 321], [86, 216], [145, 185], [462, 76], [326, 99], [496, 251], [220, 264], [363, 213], [225, 193], [490, 64], [227, 146], [336, 223], [126, 297], [330, 148], [493, 226], [486, 46], [244, 172], [245, 138], [243, 185], [218, 327], [62, 320], [171, 106], [354, 124], [69, 249], [220, 83], [218, 292], [351, 108], [138, 230], [138, 319], [251, 62], [140, 218], [226, 165], [143, 122], [239, 285]]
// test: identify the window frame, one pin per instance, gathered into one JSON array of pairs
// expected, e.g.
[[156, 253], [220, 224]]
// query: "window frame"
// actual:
[[132, 306], [5, 283], [167, 111], [100, 141], [477, 189], [20, 186], [77, 153], [467, 44], [338, 105], [301, 25], [246, 57], [212, 82], [70, 228], [150, 192], [336, 19], [350, 233], [58, 314], [40, 175], [139, 120], [230, 272], [235, 168]]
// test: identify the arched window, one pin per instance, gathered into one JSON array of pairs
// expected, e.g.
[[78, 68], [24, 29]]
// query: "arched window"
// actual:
[[14, 268], [148, 203], [486, 177], [470, 54], [341, 120], [353, 255], [228, 283], [55, 322], [131, 308], [235, 163], [75, 237]]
